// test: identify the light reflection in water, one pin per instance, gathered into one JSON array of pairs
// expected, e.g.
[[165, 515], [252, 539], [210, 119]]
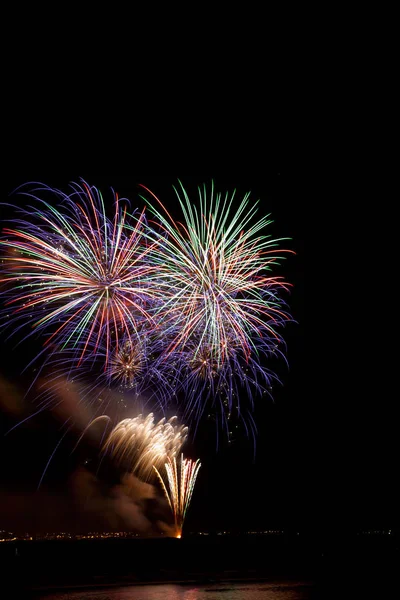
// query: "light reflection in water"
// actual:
[[227, 591]]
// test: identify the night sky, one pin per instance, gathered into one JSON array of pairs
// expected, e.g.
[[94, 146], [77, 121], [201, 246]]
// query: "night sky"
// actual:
[[324, 456]]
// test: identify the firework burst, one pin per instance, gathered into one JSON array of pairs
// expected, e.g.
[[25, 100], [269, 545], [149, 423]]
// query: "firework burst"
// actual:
[[141, 444], [75, 275], [127, 363], [178, 488], [222, 307]]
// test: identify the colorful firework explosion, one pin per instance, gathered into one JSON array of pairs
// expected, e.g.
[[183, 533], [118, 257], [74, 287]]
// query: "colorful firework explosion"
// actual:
[[74, 274], [222, 308]]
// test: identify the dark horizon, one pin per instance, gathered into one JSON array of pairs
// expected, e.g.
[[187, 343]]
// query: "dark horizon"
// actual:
[[362, 565]]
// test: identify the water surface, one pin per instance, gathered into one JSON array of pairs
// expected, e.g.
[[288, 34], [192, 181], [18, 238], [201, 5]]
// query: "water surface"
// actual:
[[229, 591]]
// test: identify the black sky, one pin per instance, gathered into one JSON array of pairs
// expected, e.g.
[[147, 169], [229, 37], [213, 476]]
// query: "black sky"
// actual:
[[323, 460]]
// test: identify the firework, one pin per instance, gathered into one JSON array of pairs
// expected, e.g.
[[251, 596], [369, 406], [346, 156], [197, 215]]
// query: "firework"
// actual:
[[222, 307], [141, 447], [179, 487], [140, 443], [224, 392], [186, 312], [128, 363], [138, 364], [75, 275]]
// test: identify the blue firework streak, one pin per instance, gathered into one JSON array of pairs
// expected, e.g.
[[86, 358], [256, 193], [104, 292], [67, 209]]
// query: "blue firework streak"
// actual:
[[219, 391]]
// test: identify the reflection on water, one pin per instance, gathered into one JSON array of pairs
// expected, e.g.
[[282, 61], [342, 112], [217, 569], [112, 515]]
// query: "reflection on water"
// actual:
[[252, 591]]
